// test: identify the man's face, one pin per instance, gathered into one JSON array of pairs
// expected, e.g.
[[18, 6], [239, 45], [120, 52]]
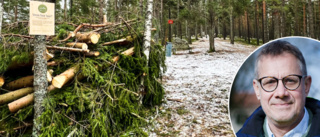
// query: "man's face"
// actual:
[[282, 106]]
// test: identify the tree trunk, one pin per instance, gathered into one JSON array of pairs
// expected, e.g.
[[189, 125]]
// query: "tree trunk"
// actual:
[[296, 18], [196, 31], [65, 10], [239, 25], [248, 26], [283, 21], [71, 6], [141, 8], [276, 33], [311, 27], [304, 21], [211, 27], [231, 26], [170, 33], [148, 25], [189, 24], [116, 10], [266, 38], [1, 14], [101, 4], [256, 12], [40, 81]]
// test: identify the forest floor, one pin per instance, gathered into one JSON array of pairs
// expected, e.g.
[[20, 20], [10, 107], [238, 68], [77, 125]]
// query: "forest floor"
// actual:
[[197, 86]]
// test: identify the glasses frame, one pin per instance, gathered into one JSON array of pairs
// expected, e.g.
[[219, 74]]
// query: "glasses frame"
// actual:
[[300, 77]]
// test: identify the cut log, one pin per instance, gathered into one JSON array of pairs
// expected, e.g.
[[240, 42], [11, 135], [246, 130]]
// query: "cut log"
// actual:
[[128, 52], [52, 63], [92, 54], [91, 37], [67, 49], [20, 103], [124, 40], [1, 81], [77, 45], [63, 78], [70, 35], [49, 75], [13, 95], [114, 42], [49, 55], [25, 101], [20, 83]]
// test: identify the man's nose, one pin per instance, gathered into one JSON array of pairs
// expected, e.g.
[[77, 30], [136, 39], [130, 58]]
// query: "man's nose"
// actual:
[[281, 91]]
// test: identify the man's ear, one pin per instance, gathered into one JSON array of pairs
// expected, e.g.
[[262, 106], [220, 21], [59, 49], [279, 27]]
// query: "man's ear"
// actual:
[[255, 85], [307, 84]]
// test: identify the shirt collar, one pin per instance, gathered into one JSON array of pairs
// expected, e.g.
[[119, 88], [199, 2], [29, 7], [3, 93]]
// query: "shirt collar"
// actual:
[[298, 131]]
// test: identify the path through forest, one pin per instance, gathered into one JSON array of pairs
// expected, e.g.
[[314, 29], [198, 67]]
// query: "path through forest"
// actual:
[[197, 87]]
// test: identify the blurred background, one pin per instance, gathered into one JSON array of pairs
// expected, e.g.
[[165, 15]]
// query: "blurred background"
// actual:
[[243, 100]]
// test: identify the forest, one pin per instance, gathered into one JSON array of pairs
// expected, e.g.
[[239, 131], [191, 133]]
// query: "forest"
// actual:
[[113, 71]]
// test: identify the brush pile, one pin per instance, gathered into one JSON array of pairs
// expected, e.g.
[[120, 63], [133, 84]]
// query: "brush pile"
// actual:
[[99, 81]]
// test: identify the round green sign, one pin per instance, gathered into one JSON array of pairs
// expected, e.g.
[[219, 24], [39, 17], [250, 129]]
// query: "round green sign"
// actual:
[[42, 8]]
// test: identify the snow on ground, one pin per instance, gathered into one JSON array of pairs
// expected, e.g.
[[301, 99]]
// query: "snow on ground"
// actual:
[[197, 85]]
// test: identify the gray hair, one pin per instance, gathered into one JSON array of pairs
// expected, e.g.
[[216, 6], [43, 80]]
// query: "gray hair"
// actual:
[[277, 48]]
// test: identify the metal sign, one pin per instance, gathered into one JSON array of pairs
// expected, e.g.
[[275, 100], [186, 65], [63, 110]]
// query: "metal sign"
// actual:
[[170, 21]]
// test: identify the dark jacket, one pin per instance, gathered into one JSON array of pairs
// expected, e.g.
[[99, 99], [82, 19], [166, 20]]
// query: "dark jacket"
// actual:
[[253, 127]]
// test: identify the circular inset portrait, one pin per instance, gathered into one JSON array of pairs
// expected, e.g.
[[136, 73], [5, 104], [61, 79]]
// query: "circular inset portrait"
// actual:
[[276, 90]]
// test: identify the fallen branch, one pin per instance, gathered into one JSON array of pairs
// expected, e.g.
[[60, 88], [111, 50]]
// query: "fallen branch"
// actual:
[[52, 63], [178, 100], [10, 96], [18, 35], [77, 45], [63, 78], [92, 54], [20, 103], [25, 101], [19, 127], [70, 35], [20, 83], [67, 49]]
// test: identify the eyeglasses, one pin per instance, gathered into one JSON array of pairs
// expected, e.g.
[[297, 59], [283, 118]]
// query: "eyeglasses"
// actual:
[[290, 82]]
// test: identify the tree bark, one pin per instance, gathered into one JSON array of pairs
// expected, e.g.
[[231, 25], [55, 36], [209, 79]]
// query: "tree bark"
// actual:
[[148, 25], [231, 26], [310, 12], [266, 38], [1, 15], [10, 96], [101, 5], [68, 49], [77, 45], [283, 21], [91, 37], [256, 11], [248, 26], [65, 10], [211, 27], [20, 83], [304, 21], [40, 81]]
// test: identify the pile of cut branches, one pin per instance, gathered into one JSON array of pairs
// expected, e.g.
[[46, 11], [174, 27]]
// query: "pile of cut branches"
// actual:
[[95, 74]]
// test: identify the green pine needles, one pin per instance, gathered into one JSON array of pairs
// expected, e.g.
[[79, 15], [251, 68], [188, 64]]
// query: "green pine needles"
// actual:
[[104, 98]]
